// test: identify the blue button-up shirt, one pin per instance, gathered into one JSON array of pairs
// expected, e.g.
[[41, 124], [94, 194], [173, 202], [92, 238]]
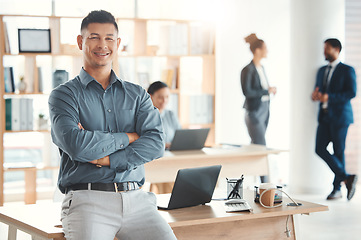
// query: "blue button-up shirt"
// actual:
[[106, 115]]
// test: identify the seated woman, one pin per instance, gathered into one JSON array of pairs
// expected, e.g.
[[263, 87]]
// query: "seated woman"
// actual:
[[159, 93]]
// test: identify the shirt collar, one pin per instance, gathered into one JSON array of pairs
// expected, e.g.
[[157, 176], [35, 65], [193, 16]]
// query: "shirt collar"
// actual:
[[85, 78], [334, 63]]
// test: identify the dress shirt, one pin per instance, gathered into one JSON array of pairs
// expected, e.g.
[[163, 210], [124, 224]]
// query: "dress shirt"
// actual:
[[333, 67], [170, 124], [264, 82], [106, 115]]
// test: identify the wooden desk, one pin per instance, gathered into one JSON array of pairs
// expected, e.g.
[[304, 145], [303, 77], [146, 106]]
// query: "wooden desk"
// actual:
[[201, 222], [248, 159], [212, 222]]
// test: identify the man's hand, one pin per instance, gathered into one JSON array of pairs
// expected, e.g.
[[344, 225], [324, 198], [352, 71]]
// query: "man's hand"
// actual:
[[101, 161], [324, 98], [316, 95], [105, 160], [132, 137], [80, 126]]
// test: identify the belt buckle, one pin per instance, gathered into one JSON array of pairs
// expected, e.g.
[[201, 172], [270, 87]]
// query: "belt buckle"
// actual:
[[117, 190]]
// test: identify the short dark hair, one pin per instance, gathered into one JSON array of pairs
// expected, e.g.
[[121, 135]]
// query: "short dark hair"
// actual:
[[98, 16], [334, 42], [156, 86]]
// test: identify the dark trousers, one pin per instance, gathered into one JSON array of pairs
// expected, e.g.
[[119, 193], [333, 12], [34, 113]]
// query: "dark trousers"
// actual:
[[257, 122], [327, 133]]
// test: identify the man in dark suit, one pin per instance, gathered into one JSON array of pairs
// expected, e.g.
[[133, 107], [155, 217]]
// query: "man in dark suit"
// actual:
[[335, 87]]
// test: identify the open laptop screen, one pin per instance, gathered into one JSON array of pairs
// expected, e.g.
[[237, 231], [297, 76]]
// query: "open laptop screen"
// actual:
[[193, 186], [189, 139]]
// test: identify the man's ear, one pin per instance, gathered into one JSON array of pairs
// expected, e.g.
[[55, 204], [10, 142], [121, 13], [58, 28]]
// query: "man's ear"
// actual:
[[79, 40], [118, 42]]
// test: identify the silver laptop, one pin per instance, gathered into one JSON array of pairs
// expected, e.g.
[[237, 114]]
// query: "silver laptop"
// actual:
[[189, 139], [192, 187]]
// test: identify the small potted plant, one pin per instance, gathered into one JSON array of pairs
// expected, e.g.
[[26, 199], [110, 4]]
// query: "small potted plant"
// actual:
[[43, 122]]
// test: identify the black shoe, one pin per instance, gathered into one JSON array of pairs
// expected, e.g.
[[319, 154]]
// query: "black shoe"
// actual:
[[351, 186], [335, 194]]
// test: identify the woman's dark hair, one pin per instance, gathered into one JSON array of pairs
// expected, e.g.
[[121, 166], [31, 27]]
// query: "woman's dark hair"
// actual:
[[254, 42], [156, 86], [98, 16], [334, 42]]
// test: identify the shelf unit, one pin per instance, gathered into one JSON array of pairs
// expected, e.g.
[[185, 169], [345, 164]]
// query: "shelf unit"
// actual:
[[150, 46]]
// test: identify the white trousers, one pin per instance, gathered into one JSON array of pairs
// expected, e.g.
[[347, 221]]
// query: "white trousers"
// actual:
[[100, 215]]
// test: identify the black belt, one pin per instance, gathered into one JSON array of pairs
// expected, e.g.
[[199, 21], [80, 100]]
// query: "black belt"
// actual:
[[108, 187]]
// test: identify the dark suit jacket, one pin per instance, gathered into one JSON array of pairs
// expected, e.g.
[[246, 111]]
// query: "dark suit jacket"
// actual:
[[341, 89], [251, 87]]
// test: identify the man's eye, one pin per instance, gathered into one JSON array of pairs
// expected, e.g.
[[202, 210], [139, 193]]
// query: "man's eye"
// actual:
[[93, 38], [109, 39]]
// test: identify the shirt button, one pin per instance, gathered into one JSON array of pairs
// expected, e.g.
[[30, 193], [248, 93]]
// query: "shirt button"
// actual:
[[109, 110], [121, 145]]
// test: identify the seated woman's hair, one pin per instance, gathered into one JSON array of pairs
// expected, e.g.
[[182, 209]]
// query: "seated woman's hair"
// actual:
[[155, 86]]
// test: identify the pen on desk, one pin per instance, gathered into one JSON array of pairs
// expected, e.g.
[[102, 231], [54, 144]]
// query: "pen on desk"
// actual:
[[241, 180]]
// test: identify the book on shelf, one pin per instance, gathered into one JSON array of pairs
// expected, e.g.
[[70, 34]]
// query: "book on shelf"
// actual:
[[15, 114], [8, 124], [173, 104], [169, 76], [29, 114], [202, 39], [23, 114], [9, 79], [6, 39], [201, 109], [143, 79], [173, 39], [40, 80], [19, 114]]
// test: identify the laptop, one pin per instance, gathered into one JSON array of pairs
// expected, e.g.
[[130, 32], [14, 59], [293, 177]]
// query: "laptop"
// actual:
[[192, 187], [189, 139]]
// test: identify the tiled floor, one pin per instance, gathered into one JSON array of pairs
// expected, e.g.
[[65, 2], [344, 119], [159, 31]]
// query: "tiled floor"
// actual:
[[341, 222]]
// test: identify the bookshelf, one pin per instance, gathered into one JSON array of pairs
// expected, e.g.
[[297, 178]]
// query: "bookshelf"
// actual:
[[179, 52]]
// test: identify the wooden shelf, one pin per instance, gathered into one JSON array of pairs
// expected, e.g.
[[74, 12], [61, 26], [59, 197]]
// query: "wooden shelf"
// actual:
[[21, 131], [138, 48], [117, 18], [23, 94]]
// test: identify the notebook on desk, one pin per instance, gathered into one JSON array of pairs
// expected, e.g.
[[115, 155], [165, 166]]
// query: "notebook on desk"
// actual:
[[192, 186], [189, 139]]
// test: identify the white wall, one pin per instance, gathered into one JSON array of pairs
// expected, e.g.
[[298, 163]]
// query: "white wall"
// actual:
[[270, 20], [312, 23]]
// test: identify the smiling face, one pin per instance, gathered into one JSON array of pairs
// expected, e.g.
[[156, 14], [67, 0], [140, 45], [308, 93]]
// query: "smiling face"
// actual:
[[99, 43]]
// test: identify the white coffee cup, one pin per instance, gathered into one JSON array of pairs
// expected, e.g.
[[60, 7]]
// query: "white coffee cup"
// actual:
[[268, 197]]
